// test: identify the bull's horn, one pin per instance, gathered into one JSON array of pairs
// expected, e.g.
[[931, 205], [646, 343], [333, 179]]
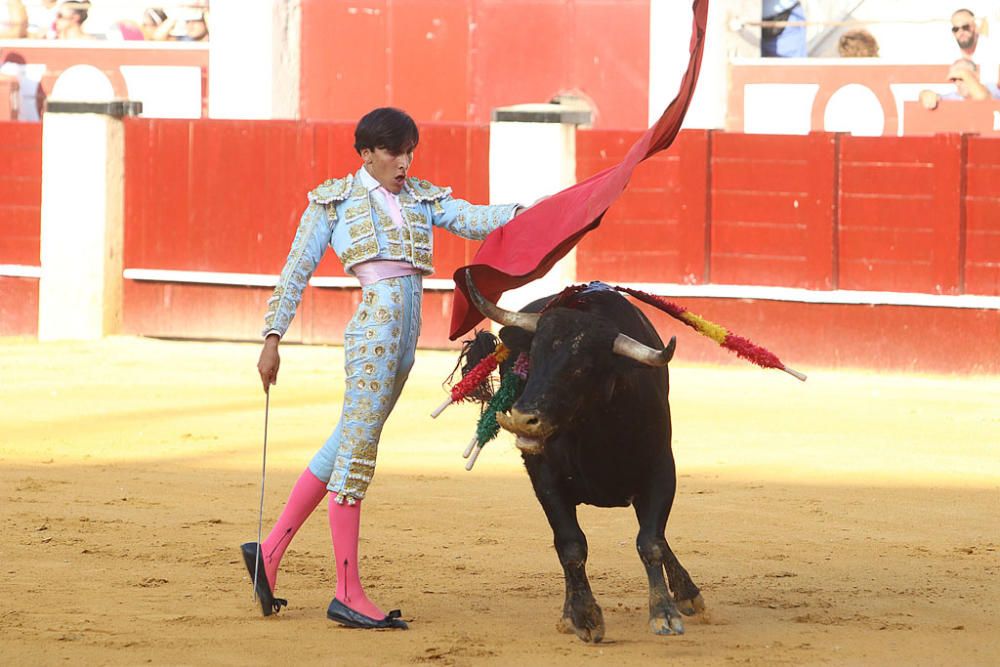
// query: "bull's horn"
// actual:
[[633, 349], [508, 318]]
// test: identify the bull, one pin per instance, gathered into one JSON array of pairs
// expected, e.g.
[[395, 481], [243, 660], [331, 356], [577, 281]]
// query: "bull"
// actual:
[[592, 424]]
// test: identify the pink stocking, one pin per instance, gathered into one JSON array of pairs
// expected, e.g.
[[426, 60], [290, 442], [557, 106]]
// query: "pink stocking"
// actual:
[[306, 494], [345, 522]]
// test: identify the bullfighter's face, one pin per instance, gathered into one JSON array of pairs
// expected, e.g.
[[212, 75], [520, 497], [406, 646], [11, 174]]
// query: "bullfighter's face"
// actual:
[[388, 167]]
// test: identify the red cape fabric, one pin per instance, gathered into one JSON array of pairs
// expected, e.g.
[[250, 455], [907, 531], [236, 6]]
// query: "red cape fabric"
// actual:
[[528, 246]]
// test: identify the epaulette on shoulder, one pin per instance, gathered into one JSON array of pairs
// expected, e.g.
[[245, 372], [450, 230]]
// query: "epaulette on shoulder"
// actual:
[[334, 189], [425, 190]]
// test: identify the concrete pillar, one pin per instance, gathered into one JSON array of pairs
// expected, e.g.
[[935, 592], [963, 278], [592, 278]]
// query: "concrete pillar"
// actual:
[[253, 59], [83, 149], [533, 154]]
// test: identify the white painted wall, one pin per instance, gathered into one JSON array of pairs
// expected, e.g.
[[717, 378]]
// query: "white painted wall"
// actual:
[[253, 59], [528, 161]]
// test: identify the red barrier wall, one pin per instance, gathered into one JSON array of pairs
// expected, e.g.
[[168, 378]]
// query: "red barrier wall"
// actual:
[[900, 218], [822, 211], [20, 222], [508, 53], [657, 231], [772, 205], [982, 217], [819, 211], [226, 196], [810, 336]]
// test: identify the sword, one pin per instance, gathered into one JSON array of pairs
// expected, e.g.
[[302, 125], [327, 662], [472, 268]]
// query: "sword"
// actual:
[[263, 477]]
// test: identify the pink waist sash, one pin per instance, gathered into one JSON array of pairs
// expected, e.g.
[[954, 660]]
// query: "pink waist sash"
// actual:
[[375, 270]]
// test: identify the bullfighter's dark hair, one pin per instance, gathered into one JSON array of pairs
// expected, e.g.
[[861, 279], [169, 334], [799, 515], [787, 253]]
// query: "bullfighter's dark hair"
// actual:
[[388, 128]]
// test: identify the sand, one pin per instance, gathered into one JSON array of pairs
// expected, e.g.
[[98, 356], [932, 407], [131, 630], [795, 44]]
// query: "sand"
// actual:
[[850, 520]]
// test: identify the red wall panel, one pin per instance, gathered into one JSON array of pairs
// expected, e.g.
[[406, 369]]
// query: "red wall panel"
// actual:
[[429, 61], [811, 336], [18, 306], [772, 210], [531, 50], [656, 232], [982, 217], [195, 311], [456, 60], [20, 192], [343, 59], [900, 213], [609, 55]]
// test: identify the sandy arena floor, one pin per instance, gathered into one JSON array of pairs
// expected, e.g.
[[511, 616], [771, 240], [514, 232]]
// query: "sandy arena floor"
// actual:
[[851, 520]]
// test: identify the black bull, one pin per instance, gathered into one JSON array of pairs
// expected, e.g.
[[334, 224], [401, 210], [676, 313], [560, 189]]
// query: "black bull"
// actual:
[[593, 427]]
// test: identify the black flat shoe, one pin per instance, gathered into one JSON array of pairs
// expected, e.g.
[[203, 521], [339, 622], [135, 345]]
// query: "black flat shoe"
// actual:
[[268, 603], [341, 613]]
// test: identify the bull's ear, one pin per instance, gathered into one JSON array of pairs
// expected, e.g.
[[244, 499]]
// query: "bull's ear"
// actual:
[[516, 339]]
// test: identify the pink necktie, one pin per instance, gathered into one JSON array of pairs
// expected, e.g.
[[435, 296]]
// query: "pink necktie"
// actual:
[[392, 203]]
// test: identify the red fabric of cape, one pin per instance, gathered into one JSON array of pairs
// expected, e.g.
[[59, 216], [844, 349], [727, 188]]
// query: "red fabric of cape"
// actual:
[[528, 246]]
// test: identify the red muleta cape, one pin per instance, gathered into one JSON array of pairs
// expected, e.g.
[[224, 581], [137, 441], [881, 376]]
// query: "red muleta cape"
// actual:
[[528, 246]]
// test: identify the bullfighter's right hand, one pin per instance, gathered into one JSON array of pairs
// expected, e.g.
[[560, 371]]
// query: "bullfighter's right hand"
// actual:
[[269, 362]]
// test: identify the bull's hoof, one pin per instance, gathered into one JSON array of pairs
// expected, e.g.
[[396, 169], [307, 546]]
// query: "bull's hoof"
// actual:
[[666, 626], [588, 627], [589, 635], [695, 605]]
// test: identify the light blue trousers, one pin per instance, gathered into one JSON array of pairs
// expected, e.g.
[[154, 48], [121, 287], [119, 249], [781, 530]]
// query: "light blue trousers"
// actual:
[[379, 346]]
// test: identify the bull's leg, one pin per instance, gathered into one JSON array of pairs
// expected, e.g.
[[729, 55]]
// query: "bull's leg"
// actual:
[[686, 593], [581, 613], [664, 617]]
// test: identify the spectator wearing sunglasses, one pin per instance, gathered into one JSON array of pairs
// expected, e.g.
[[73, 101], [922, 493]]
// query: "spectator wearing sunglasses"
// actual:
[[975, 46], [964, 74]]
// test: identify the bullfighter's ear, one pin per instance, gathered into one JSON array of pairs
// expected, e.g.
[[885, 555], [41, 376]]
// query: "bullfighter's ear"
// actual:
[[516, 339]]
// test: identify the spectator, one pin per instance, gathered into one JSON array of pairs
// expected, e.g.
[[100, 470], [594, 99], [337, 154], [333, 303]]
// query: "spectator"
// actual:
[[13, 19], [69, 22], [965, 75], [195, 28], [155, 26], [124, 30], [974, 45], [190, 26], [42, 16], [857, 44], [783, 41]]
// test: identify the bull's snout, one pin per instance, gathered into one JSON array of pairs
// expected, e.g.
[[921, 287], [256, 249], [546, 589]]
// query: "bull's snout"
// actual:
[[528, 423], [529, 426]]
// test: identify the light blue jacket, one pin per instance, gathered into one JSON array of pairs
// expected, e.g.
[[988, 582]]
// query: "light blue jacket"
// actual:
[[344, 213]]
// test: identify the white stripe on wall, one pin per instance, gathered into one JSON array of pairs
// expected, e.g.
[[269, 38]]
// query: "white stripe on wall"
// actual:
[[799, 295], [749, 292], [20, 271]]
